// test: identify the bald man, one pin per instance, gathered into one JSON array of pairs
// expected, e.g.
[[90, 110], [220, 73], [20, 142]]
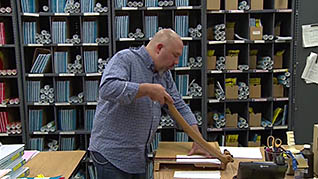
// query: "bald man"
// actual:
[[133, 89]]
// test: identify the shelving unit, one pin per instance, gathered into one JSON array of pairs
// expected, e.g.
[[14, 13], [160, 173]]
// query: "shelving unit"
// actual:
[[141, 22], [71, 72], [11, 106], [269, 17], [269, 100]]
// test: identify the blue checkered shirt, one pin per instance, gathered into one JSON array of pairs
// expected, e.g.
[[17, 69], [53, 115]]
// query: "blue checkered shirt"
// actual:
[[123, 126]]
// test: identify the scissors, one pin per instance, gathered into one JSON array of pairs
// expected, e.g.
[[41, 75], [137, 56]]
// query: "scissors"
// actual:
[[274, 143]]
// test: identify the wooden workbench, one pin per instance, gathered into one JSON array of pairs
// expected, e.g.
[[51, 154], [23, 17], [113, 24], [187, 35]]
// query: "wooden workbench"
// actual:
[[57, 163], [166, 170]]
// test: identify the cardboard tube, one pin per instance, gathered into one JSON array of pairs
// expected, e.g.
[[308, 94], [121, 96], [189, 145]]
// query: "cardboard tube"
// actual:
[[197, 138]]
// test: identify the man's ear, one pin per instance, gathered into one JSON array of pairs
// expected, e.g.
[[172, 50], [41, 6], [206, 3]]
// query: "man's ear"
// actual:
[[158, 48]]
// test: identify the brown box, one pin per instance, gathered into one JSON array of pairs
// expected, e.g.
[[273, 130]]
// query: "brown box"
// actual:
[[231, 92], [255, 91], [254, 144], [278, 91], [210, 119], [257, 5], [231, 4], [253, 62], [210, 34], [315, 149], [231, 120], [211, 63], [231, 62], [229, 33], [255, 119], [231, 144], [278, 62], [211, 92], [213, 5], [281, 4], [256, 33]]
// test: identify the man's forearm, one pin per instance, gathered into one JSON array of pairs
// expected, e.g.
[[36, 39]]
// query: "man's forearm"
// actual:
[[143, 90], [196, 129], [118, 91]]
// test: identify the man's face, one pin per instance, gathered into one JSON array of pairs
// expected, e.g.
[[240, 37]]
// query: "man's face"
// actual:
[[168, 55]]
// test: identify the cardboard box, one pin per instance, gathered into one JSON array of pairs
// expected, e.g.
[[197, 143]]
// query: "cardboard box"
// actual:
[[231, 92], [278, 91], [211, 92], [257, 5], [231, 4], [281, 4], [231, 144], [253, 62], [231, 62], [254, 144], [229, 33], [255, 119], [231, 120], [315, 148], [211, 63], [255, 91], [210, 34], [210, 119], [256, 33], [278, 62], [213, 5]]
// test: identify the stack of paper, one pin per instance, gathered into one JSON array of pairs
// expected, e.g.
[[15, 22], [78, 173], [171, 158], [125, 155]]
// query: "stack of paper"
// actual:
[[196, 159], [28, 155], [310, 73], [244, 152], [4, 172], [197, 174], [11, 158]]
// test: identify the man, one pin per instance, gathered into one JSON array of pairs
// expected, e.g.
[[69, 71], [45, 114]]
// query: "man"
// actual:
[[134, 86]]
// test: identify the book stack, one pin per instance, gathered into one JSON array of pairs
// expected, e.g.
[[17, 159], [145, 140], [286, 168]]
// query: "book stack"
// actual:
[[11, 159]]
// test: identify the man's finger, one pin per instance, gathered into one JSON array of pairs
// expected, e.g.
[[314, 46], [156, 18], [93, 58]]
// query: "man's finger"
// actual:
[[168, 98], [191, 151]]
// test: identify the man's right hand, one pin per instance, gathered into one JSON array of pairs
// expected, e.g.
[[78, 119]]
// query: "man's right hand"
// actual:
[[156, 92]]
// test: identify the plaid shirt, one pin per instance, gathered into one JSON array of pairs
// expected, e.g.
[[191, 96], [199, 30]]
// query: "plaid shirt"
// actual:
[[123, 126]]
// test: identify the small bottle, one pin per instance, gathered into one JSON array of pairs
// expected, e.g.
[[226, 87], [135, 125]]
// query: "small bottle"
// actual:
[[309, 155]]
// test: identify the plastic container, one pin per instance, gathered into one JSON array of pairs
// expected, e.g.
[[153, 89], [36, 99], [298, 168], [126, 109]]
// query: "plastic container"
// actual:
[[309, 155]]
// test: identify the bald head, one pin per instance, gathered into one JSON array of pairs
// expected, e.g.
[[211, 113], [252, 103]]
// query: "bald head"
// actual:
[[165, 48], [165, 36]]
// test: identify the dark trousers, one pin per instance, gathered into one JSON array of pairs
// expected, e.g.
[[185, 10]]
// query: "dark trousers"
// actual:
[[106, 170]]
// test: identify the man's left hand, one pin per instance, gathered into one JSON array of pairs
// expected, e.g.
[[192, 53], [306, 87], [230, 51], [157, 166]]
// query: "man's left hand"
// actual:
[[197, 149]]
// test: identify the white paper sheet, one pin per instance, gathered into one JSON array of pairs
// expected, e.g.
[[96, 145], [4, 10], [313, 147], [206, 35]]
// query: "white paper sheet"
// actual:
[[310, 35], [281, 38], [195, 159], [310, 73], [244, 152], [197, 174]]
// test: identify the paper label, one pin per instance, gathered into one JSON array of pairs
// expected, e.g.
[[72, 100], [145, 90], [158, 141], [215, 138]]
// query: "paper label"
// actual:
[[256, 32]]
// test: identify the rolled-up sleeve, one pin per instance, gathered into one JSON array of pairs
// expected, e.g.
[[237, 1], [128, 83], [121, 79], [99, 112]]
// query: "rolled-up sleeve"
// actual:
[[115, 85], [179, 103]]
